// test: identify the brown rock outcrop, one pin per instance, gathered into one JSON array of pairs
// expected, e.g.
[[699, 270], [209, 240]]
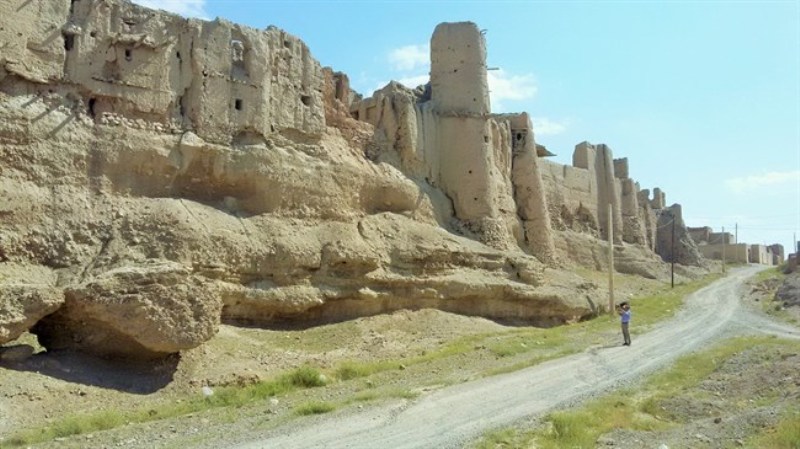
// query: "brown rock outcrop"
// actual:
[[146, 311]]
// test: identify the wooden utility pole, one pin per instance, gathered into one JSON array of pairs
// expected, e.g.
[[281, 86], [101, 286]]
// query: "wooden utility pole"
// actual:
[[724, 243], [610, 260], [672, 253]]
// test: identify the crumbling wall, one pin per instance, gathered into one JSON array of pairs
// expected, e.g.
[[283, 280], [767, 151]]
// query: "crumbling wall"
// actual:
[[648, 219], [700, 235], [529, 192], [582, 193], [442, 136], [34, 35], [633, 230], [228, 83], [571, 197], [460, 101], [673, 242]]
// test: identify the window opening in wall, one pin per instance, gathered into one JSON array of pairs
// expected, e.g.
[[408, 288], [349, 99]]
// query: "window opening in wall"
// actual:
[[305, 99], [238, 65], [238, 104], [182, 106], [92, 103], [128, 54], [69, 42], [519, 137]]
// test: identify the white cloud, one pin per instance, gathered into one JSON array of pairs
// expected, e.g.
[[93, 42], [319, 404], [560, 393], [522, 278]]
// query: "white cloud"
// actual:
[[504, 86], [414, 81], [770, 179], [543, 126], [188, 8], [410, 57]]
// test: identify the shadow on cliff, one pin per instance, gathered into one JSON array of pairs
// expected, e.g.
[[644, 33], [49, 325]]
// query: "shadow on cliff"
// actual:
[[136, 377]]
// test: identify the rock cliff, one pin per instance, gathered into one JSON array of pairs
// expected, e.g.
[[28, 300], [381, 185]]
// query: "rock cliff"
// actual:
[[161, 174]]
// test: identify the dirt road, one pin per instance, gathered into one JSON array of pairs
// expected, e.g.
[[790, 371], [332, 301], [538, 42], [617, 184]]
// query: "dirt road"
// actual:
[[450, 417]]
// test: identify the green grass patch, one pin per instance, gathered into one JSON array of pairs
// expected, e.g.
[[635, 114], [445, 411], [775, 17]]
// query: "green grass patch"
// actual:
[[769, 273], [314, 408], [304, 377], [784, 435], [501, 439]]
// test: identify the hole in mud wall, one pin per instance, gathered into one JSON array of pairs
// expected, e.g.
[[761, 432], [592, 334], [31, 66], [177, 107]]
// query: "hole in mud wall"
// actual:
[[128, 54], [91, 107], [305, 99], [238, 104], [69, 42], [355, 115], [182, 106], [519, 137], [238, 63]]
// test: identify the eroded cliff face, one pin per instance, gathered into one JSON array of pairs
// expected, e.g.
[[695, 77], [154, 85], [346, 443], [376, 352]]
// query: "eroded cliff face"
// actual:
[[159, 175]]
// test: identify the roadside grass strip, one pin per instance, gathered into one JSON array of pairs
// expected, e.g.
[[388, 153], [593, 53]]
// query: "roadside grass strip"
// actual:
[[301, 378], [640, 409]]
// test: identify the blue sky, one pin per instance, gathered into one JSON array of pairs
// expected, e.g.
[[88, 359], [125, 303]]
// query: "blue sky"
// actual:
[[702, 97]]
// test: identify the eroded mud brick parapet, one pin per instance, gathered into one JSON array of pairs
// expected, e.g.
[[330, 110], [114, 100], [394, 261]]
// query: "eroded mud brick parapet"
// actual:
[[225, 82]]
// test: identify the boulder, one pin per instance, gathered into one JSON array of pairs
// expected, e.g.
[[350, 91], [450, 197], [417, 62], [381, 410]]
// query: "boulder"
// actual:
[[136, 312], [22, 305]]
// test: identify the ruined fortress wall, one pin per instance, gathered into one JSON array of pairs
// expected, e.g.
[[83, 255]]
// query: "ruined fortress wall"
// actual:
[[571, 194], [530, 201], [700, 235], [221, 80], [633, 230], [33, 41], [458, 69], [460, 99]]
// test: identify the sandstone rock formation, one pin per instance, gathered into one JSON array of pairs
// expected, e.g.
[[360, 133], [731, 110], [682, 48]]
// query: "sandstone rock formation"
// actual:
[[162, 174]]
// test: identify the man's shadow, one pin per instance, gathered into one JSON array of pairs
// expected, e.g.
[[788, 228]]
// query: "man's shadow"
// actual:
[[131, 376]]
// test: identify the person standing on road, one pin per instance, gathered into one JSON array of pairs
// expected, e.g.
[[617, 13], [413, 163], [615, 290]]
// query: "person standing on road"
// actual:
[[624, 311]]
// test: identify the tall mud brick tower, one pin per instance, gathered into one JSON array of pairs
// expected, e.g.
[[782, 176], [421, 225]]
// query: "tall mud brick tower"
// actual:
[[460, 96]]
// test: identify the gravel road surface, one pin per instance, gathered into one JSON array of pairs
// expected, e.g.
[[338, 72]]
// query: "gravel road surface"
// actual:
[[450, 417]]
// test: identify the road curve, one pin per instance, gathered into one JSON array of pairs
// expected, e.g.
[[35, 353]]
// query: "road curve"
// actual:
[[450, 417]]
